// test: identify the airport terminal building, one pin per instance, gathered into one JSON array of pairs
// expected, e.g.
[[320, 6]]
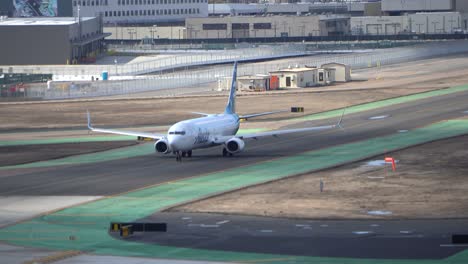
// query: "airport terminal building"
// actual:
[[141, 11], [49, 40]]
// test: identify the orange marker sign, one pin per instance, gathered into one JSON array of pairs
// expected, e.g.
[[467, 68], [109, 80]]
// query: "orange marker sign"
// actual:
[[391, 160]]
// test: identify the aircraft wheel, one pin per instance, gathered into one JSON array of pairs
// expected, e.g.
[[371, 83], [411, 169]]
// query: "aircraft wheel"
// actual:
[[184, 153], [189, 153]]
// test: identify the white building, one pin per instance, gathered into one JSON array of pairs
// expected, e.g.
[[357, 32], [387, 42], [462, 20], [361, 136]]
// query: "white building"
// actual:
[[341, 73], [416, 5], [423, 23], [141, 11], [266, 26], [304, 77]]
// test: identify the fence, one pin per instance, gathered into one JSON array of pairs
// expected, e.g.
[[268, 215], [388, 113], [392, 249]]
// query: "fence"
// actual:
[[200, 76], [160, 63]]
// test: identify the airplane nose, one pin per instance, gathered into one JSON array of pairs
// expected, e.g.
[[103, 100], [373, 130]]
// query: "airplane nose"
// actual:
[[174, 143]]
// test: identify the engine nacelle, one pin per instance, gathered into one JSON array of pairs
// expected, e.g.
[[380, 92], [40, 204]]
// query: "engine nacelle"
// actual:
[[162, 146], [235, 145]]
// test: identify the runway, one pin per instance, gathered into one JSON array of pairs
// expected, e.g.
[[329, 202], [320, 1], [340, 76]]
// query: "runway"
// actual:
[[359, 239], [371, 239], [112, 177]]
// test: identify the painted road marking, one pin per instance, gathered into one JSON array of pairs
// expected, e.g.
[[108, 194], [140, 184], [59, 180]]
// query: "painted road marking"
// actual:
[[222, 222], [402, 131], [186, 218], [374, 225], [378, 212], [406, 232], [323, 225], [378, 117], [203, 225], [266, 231], [362, 232]]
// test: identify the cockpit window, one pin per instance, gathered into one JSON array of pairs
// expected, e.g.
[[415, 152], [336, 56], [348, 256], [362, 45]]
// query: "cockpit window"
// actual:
[[177, 133]]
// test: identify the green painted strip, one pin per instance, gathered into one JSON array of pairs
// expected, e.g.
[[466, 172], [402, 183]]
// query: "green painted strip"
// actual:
[[89, 222], [113, 154], [383, 103], [65, 140]]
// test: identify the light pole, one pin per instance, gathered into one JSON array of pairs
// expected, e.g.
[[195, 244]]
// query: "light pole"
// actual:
[[451, 24], [435, 24], [419, 27], [153, 30], [115, 62]]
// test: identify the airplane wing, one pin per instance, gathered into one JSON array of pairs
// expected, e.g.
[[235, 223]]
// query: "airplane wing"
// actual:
[[286, 131], [275, 133], [200, 113], [122, 132], [261, 114]]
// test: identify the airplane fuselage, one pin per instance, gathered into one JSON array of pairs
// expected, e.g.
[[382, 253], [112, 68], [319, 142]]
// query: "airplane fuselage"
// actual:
[[201, 132]]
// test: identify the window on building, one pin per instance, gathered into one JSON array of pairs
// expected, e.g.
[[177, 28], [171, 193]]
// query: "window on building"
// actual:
[[217, 26], [106, 2], [262, 25], [74, 3], [105, 13], [240, 26]]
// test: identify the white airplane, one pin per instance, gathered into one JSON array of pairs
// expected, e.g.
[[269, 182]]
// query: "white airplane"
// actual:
[[209, 131]]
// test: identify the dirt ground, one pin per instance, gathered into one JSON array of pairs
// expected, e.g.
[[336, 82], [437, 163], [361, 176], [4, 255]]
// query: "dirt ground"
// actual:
[[13, 155], [432, 185], [382, 83]]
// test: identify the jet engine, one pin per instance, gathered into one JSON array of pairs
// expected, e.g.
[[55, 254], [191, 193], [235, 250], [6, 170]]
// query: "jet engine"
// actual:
[[162, 146], [235, 145]]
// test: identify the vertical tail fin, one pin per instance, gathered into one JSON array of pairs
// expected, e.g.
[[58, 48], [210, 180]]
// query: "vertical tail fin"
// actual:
[[231, 104]]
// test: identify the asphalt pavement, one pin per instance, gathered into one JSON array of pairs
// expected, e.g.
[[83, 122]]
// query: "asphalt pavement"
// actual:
[[112, 177]]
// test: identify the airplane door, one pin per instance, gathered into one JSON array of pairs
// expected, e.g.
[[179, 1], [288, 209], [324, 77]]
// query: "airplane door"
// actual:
[[288, 81]]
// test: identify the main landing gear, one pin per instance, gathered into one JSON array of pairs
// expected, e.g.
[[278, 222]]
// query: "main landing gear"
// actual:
[[181, 154], [226, 153]]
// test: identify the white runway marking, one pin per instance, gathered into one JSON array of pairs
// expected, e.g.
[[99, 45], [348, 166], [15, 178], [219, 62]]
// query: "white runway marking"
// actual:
[[406, 232], [362, 232], [377, 212], [266, 231], [378, 117], [402, 131], [222, 222]]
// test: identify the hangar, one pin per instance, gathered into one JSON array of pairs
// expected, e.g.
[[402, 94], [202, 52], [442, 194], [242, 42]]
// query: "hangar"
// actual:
[[49, 40]]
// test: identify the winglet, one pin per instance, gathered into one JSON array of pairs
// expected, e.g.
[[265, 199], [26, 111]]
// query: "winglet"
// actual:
[[90, 127], [341, 120]]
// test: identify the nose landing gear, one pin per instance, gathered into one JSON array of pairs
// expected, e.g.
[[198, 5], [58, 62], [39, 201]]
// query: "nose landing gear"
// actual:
[[181, 154]]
